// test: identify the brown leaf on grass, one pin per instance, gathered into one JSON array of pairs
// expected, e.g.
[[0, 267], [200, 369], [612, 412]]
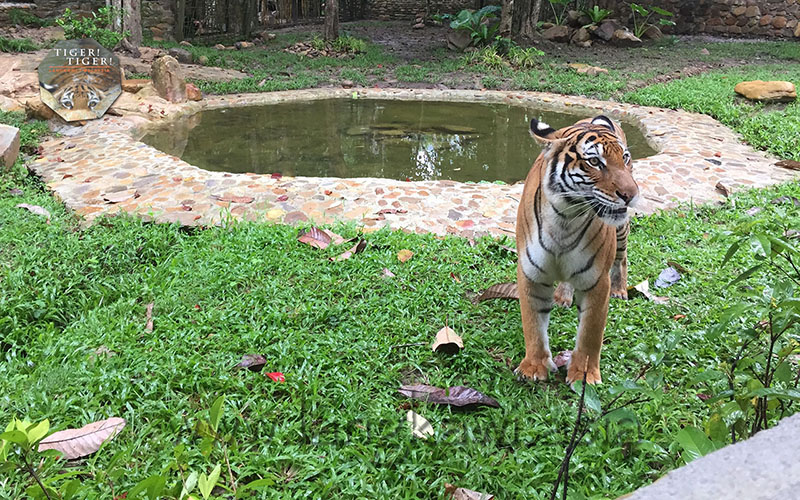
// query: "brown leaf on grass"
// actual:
[[35, 209], [499, 291], [677, 266], [509, 249], [357, 248], [15, 192], [456, 493], [404, 255], [562, 358], [76, 443], [253, 362], [447, 342], [723, 189], [459, 396], [149, 317], [335, 238], [643, 290], [316, 238], [790, 164]]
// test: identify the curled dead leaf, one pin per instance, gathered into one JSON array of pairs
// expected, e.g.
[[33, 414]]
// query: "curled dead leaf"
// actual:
[[35, 209], [499, 291], [562, 358], [76, 443], [790, 164], [723, 189], [357, 248], [420, 427], [643, 290], [253, 362], [459, 396], [456, 493], [447, 342], [316, 238], [404, 255]]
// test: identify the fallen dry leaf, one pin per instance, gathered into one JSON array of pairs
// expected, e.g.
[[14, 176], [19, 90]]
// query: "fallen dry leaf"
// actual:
[[447, 342], [387, 273], [404, 255], [790, 164], [499, 291], [335, 238], [643, 289], [76, 443], [420, 427], [677, 266], [459, 396], [723, 189], [316, 238], [562, 358], [357, 248], [35, 209], [456, 493], [253, 362], [149, 317]]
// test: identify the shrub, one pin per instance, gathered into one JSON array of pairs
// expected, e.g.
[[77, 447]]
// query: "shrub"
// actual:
[[642, 15], [17, 45], [480, 24], [523, 58], [95, 26], [23, 17], [351, 44], [596, 14]]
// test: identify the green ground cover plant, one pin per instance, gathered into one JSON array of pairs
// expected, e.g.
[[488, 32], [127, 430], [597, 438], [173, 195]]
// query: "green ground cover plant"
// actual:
[[775, 128], [17, 45], [76, 348]]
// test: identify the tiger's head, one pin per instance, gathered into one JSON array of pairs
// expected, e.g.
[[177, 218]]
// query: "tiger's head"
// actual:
[[76, 95], [588, 166]]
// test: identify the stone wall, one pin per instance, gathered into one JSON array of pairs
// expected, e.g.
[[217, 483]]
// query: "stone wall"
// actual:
[[54, 8], [762, 18], [158, 19], [408, 9]]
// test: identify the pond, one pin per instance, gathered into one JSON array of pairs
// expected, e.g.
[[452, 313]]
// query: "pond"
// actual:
[[404, 140]]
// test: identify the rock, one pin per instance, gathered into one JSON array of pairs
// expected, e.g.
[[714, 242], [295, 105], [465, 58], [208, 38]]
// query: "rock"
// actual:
[[168, 79], [704, 52], [134, 85], [186, 43], [347, 84], [753, 11], [581, 35], [585, 45], [606, 29], [545, 26], [587, 69], [418, 26], [557, 33], [573, 18], [458, 40], [202, 60], [9, 104], [219, 46], [779, 22], [35, 108], [797, 31], [182, 55], [193, 93], [775, 91], [653, 33], [738, 11], [9, 144], [243, 45], [624, 38]]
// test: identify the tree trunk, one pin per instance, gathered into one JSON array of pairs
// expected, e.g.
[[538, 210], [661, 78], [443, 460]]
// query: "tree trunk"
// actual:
[[132, 21], [331, 20], [180, 15], [521, 10], [506, 15], [535, 12]]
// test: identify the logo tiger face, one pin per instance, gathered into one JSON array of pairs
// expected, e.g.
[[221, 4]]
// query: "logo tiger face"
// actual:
[[589, 165], [76, 95]]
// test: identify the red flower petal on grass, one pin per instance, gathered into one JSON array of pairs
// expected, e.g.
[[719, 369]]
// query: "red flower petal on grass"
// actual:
[[276, 376]]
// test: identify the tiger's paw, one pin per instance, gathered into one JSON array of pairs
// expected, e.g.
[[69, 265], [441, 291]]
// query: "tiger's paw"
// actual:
[[619, 293], [581, 362], [535, 369], [563, 294]]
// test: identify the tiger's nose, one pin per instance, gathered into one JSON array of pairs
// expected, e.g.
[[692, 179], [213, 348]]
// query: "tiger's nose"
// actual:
[[626, 196]]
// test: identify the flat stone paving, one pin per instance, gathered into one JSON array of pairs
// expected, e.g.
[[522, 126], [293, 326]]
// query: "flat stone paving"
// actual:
[[101, 168]]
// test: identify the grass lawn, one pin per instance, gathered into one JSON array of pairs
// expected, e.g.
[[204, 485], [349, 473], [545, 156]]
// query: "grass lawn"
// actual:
[[75, 349]]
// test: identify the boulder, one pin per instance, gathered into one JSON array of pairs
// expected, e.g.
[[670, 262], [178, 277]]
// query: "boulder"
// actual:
[[9, 144], [458, 40], [182, 55], [9, 104], [202, 60], [243, 45], [134, 85], [219, 46], [775, 91], [624, 38], [581, 35], [35, 108], [418, 26], [797, 30], [573, 18], [193, 93], [587, 69], [606, 29], [557, 33], [653, 33], [168, 79]]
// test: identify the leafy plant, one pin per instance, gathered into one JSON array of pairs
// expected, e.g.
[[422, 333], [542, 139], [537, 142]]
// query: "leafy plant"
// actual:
[[97, 26], [641, 16], [480, 24], [596, 14], [17, 45], [524, 58], [23, 17], [350, 44], [559, 8]]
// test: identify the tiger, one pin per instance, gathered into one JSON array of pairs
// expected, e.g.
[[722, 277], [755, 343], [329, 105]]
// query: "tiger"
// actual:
[[78, 91], [572, 227]]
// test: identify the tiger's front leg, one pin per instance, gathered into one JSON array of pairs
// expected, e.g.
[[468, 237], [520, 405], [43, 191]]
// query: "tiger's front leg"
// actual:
[[593, 306], [536, 302], [619, 270]]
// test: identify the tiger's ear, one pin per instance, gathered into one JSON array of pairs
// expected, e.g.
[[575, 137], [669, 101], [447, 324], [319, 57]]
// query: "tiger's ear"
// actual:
[[541, 131], [605, 121]]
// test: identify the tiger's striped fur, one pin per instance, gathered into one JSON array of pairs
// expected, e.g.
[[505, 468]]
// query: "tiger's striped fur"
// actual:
[[78, 92], [572, 228]]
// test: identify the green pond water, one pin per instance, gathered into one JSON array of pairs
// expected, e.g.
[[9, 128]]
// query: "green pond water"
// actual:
[[405, 140]]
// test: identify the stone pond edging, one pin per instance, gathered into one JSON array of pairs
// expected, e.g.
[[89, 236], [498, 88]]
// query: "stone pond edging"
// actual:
[[102, 168]]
